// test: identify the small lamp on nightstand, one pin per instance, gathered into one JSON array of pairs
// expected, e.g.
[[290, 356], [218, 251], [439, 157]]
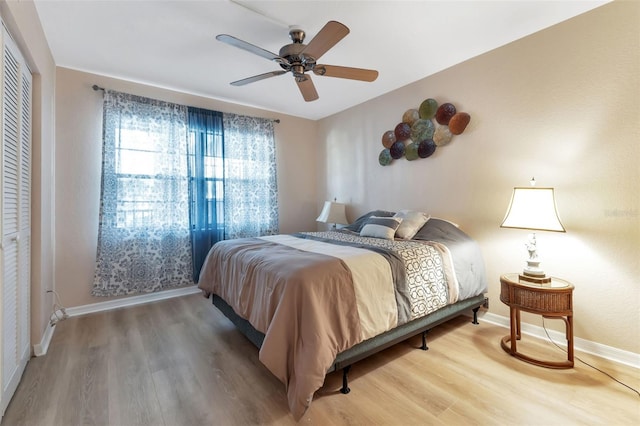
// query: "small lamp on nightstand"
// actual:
[[535, 209], [333, 212]]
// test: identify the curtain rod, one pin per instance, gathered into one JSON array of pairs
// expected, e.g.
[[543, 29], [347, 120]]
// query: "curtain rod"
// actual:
[[96, 88]]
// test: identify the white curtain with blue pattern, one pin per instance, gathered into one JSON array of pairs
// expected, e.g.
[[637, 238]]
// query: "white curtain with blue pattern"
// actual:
[[250, 178], [143, 236]]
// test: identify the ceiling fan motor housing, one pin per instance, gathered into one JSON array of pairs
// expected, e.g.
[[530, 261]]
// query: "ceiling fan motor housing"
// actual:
[[298, 62]]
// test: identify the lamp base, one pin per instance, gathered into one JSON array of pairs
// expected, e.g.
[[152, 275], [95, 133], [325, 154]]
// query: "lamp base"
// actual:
[[532, 272], [534, 279]]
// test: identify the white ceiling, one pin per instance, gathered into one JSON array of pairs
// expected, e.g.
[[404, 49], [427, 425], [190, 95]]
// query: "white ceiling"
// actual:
[[172, 44]]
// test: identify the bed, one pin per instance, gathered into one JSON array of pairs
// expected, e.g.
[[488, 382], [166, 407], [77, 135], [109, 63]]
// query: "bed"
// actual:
[[316, 302]]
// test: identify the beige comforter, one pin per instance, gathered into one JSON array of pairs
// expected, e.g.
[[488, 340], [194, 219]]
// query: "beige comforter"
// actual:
[[311, 299]]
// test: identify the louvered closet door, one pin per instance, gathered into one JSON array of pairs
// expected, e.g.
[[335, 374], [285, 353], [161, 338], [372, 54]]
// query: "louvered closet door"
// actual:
[[16, 213]]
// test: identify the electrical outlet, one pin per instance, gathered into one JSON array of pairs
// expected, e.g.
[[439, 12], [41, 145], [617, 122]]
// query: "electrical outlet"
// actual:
[[486, 303]]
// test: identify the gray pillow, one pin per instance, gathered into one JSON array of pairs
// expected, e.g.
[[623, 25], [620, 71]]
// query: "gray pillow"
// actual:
[[357, 225], [440, 230]]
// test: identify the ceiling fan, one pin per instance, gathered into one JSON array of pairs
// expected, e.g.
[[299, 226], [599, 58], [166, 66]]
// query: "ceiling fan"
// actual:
[[299, 58]]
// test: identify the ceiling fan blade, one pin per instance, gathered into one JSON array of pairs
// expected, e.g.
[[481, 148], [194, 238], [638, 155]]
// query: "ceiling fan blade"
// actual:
[[328, 37], [241, 44], [307, 89], [346, 72], [257, 78]]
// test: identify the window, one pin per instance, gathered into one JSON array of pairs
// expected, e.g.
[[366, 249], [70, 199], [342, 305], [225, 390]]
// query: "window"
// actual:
[[146, 186]]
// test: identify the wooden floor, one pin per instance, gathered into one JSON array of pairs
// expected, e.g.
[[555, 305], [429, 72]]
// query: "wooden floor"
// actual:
[[181, 362]]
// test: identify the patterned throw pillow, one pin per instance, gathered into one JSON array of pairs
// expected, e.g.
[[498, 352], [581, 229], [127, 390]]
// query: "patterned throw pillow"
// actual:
[[412, 221], [381, 227], [357, 224]]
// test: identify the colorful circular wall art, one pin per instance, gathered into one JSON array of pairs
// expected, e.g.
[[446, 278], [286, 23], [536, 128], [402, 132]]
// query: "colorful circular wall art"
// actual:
[[421, 131]]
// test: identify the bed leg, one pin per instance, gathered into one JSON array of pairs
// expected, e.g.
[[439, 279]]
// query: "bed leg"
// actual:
[[345, 381], [424, 346], [475, 315]]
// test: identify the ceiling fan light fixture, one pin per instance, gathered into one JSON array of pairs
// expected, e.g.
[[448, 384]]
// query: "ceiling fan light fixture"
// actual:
[[298, 70]]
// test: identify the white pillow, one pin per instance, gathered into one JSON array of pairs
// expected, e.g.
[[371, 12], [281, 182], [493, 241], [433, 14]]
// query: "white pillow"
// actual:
[[412, 222], [380, 227]]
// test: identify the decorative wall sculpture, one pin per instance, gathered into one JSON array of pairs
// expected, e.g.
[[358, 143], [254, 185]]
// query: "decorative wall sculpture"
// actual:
[[421, 131]]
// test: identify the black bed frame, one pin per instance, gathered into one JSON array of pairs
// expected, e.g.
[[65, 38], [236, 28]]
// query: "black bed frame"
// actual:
[[362, 350]]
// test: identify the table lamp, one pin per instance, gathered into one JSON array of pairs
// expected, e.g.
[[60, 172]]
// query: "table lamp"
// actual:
[[333, 212], [534, 209]]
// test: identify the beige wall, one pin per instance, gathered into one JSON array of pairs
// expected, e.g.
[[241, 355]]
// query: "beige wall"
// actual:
[[23, 24], [78, 164], [561, 105]]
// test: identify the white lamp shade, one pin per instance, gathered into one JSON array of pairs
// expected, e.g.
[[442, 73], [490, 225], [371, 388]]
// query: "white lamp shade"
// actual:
[[333, 212], [533, 208]]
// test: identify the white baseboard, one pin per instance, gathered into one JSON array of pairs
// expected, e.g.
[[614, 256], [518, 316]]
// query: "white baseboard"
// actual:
[[631, 359], [41, 348], [131, 301]]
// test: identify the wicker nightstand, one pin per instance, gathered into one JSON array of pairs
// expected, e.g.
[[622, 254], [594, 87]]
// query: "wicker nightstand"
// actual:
[[551, 300]]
